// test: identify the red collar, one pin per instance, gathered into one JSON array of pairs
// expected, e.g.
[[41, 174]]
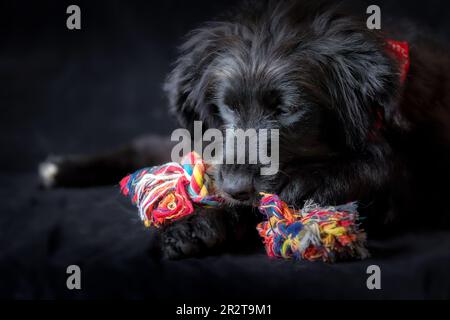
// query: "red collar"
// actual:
[[400, 51]]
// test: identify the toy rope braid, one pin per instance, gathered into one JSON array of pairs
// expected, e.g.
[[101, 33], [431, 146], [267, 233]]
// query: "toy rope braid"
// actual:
[[165, 193], [169, 192]]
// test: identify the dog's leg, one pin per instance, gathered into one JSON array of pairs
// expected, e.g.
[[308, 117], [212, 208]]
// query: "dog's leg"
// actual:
[[104, 168], [209, 231]]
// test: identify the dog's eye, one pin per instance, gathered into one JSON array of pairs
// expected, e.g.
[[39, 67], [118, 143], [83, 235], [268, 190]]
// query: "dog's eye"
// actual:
[[272, 101], [214, 109], [283, 112]]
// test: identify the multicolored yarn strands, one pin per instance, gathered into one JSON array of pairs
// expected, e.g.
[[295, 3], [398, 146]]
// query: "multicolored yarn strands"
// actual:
[[313, 233], [167, 193]]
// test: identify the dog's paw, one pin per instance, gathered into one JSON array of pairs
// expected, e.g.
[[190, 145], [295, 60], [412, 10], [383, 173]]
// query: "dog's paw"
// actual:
[[196, 235], [179, 242], [49, 171]]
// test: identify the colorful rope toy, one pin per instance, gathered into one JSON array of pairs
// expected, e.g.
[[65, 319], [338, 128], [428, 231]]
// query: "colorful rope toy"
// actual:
[[312, 233], [169, 192]]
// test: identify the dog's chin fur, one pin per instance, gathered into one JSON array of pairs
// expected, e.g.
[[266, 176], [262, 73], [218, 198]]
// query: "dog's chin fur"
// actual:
[[321, 77]]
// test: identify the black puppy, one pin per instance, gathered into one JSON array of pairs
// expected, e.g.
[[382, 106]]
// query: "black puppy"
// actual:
[[350, 129]]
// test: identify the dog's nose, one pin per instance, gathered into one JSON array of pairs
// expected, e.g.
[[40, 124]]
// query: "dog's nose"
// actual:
[[239, 188]]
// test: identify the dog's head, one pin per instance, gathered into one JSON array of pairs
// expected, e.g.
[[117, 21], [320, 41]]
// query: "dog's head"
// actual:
[[316, 76]]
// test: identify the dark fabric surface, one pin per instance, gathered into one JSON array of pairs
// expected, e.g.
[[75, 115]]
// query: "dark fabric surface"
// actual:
[[71, 92], [44, 231]]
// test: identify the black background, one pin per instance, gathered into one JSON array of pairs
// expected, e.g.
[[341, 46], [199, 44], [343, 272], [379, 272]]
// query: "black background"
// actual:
[[64, 91], [77, 91]]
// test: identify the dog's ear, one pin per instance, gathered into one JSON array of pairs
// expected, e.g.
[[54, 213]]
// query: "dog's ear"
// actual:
[[190, 86], [361, 79]]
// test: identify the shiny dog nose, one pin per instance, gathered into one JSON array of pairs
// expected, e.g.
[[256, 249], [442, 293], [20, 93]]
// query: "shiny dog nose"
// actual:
[[239, 188]]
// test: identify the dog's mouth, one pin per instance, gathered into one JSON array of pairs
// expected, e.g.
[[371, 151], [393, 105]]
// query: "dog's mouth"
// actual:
[[252, 192], [255, 197]]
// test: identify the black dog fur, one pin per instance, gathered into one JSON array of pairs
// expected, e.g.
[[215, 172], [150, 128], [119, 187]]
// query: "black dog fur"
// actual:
[[321, 77]]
